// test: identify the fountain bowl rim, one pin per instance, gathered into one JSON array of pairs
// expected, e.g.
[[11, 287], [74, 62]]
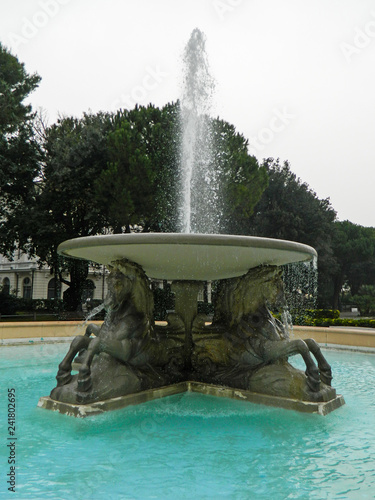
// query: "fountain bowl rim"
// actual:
[[186, 256]]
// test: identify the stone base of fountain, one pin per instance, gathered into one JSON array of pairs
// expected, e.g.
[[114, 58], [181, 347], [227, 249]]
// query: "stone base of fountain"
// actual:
[[86, 410]]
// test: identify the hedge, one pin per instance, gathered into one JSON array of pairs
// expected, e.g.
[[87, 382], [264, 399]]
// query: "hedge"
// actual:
[[308, 321]]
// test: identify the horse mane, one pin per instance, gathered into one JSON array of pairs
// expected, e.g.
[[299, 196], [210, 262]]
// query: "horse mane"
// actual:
[[244, 295], [141, 295]]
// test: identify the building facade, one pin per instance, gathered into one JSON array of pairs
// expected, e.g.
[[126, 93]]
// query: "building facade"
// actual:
[[24, 278]]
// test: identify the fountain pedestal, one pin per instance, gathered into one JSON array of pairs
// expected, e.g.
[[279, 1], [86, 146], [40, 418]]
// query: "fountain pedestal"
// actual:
[[245, 348], [186, 307]]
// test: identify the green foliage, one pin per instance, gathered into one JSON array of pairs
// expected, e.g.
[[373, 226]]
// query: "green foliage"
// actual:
[[66, 206], [330, 317], [322, 313], [354, 253], [15, 86], [138, 183], [239, 175], [19, 149], [365, 300], [290, 210], [326, 322], [11, 305], [8, 303], [75, 155]]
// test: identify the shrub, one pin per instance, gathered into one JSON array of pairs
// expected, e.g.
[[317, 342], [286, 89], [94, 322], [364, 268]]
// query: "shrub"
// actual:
[[365, 300], [323, 313], [8, 303], [306, 321]]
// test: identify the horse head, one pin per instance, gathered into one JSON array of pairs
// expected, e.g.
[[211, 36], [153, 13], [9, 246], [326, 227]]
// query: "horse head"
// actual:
[[128, 286]]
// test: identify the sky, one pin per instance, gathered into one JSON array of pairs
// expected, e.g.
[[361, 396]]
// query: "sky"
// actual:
[[295, 77]]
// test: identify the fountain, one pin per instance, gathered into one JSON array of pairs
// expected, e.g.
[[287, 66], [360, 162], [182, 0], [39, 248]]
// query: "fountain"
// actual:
[[243, 353]]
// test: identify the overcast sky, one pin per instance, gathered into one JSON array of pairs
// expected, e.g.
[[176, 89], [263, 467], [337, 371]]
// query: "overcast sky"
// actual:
[[295, 77]]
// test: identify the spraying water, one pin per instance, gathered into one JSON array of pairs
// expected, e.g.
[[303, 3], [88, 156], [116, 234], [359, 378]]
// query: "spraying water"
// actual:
[[198, 206], [93, 313], [301, 288]]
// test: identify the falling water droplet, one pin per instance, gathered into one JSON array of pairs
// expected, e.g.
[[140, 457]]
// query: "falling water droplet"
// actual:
[[301, 287]]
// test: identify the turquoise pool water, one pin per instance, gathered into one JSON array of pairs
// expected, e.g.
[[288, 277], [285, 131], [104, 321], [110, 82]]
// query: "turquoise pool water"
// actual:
[[188, 446]]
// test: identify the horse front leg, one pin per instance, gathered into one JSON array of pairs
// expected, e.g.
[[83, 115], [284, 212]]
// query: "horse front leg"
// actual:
[[278, 349], [90, 330], [84, 382], [64, 374], [324, 368], [120, 350]]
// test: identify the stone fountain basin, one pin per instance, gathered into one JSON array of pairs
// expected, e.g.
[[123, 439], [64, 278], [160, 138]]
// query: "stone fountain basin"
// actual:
[[176, 256]]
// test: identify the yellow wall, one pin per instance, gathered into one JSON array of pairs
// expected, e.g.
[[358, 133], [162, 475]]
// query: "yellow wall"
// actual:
[[360, 337], [42, 329], [37, 330]]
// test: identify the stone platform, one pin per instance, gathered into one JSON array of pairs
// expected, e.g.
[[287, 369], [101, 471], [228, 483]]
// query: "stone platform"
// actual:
[[85, 410]]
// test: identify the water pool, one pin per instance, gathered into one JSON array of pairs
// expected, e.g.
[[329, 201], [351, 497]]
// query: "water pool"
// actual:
[[189, 445]]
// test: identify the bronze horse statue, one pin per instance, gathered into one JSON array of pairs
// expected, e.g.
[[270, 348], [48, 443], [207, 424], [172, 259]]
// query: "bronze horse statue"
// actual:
[[117, 360], [247, 347]]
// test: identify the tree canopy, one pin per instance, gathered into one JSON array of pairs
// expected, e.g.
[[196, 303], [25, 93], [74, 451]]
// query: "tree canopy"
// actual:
[[112, 173], [354, 253], [290, 210], [15, 86], [241, 179], [137, 185], [19, 149], [118, 172]]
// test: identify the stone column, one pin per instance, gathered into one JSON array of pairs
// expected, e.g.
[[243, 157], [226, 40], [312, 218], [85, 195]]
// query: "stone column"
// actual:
[[186, 306]]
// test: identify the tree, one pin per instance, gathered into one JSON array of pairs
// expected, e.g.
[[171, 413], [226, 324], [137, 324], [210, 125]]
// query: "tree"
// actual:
[[240, 179], [19, 149], [138, 185], [66, 206], [354, 248], [290, 210], [142, 181], [365, 300], [15, 86], [110, 173]]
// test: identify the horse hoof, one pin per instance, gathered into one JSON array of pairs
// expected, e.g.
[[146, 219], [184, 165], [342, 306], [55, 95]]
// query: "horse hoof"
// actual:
[[84, 382], [63, 378], [82, 397], [313, 380], [313, 385], [326, 377], [84, 385]]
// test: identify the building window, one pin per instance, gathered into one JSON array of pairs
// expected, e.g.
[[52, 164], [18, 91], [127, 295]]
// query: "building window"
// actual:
[[6, 286], [54, 289], [27, 292]]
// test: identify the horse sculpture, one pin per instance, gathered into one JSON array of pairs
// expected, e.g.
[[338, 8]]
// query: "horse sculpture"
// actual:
[[117, 360], [247, 347]]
